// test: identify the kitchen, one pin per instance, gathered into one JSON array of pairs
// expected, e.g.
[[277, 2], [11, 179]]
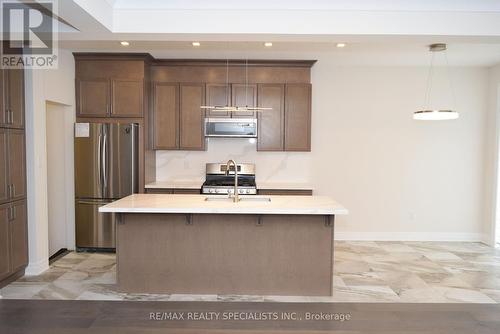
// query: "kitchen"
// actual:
[[304, 158]]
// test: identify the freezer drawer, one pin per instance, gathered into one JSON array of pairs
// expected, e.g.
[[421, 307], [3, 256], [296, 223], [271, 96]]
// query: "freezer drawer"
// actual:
[[94, 229]]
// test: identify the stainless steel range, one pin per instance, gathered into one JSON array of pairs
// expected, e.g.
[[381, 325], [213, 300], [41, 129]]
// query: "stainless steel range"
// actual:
[[221, 181]]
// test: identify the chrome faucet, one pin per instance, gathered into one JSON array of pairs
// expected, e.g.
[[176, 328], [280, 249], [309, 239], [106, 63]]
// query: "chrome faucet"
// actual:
[[230, 162]]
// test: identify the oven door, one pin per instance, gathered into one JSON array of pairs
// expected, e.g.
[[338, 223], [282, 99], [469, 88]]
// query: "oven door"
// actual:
[[231, 127]]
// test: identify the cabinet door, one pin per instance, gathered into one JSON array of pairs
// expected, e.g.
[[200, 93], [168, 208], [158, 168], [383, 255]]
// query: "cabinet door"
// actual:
[[15, 89], [4, 242], [92, 98], [271, 122], [19, 237], [243, 95], [3, 98], [298, 117], [218, 95], [192, 97], [127, 98], [17, 167], [4, 166], [166, 116]]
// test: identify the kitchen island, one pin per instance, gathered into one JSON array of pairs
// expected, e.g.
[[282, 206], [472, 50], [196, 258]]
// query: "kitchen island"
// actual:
[[197, 244]]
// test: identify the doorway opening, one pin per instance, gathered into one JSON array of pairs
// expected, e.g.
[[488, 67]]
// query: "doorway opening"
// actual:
[[59, 150]]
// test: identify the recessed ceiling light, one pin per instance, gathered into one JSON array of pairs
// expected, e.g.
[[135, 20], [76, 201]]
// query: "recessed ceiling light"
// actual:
[[268, 44], [124, 43], [196, 43], [341, 45]]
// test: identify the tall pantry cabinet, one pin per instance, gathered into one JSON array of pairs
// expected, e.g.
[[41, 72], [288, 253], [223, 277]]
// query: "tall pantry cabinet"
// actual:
[[13, 217]]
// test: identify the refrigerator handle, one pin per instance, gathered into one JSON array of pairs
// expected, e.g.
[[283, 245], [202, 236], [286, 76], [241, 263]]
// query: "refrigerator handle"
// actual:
[[99, 158], [134, 158], [104, 158]]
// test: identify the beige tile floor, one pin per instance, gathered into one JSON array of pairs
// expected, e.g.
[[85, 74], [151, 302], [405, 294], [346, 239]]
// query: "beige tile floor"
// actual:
[[437, 272]]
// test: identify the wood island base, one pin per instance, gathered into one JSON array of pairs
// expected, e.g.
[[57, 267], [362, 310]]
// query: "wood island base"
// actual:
[[245, 254]]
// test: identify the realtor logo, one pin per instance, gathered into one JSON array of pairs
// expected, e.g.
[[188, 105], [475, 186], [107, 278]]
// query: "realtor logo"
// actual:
[[29, 35]]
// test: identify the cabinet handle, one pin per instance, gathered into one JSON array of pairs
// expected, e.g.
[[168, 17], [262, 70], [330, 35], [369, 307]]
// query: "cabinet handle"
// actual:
[[14, 213], [12, 190], [11, 116], [10, 214], [9, 190], [8, 117]]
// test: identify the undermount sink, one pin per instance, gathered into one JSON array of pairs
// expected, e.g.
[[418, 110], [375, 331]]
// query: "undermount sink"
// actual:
[[241, 199]]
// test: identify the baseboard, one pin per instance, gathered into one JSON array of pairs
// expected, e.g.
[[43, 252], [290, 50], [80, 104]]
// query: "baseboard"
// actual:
[[36, 268], [408, 236]]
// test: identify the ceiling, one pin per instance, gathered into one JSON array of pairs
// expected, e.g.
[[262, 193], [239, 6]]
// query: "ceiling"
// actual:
[[381, 32], [372, 5]]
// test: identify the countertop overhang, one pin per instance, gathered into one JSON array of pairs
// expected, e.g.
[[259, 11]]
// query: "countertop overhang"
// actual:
[[279, 205]]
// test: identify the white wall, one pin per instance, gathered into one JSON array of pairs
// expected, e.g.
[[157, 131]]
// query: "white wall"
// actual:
[[491, 187], [400, 179], [42, 86], [57, 192]]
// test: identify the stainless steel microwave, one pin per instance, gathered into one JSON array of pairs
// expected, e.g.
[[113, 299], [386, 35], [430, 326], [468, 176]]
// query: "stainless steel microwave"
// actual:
[[231, 127]]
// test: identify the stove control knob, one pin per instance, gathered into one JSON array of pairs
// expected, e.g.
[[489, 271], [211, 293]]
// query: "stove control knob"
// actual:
[[212, 191]]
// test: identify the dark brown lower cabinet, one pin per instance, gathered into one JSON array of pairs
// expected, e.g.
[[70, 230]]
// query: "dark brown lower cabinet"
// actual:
[[178, 191], [4, 242], [13, 239], [288, 192]]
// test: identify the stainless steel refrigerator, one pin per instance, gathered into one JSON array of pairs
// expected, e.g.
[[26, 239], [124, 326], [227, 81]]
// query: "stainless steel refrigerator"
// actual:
[[106, 164]]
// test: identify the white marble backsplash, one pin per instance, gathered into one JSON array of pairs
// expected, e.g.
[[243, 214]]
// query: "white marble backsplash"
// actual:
[[270, 166]]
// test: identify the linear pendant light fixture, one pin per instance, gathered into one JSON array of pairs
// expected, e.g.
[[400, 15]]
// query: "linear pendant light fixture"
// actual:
[[430, 114], [231, 108]]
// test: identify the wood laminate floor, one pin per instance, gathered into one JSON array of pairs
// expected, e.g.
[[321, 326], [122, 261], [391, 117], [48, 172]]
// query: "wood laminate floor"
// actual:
[[374, 272]]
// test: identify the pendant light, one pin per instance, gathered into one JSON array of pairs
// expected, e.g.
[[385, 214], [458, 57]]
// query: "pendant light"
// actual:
[[430, 114], [232, 108]]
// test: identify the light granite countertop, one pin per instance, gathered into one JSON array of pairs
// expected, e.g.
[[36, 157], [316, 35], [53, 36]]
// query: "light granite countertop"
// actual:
[[166, 203], [181, 184]]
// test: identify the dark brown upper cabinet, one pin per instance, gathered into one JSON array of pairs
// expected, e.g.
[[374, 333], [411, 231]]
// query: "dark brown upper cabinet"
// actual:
[[110, 85], [3, 101], [17, 164], [110, 98], [192, 97], [298, 117], [271, 122], [12, 98], [128, 99], [243, 95], [92, 97], [4, 166], [218, 95], [12, 165], [177, 116], [165, 116], [16, 97]]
